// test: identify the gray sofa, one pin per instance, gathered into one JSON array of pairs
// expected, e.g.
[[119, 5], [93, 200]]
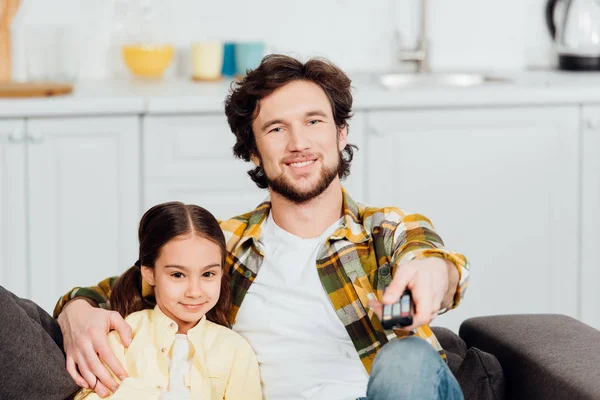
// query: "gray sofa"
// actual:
[[525, 357]]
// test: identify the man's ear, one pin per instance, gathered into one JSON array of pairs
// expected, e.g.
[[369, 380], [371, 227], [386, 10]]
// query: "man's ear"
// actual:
[[148, 275], [255, 159], [342, 137]]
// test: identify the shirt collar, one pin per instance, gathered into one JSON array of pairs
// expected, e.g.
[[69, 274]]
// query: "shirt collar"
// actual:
[[351, 229], [165, 329]]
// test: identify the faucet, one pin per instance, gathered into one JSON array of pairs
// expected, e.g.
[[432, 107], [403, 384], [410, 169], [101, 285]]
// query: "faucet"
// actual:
[[420, 54]]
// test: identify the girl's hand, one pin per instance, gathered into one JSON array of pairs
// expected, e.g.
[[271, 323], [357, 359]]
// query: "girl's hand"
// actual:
[[85, 330]]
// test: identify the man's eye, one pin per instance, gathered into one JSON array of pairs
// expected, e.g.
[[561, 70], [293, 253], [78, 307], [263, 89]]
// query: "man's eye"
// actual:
[[314, 122], [278, 129], [177, 275]]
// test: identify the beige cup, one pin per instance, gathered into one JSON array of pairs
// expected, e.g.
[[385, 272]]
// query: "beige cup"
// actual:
[[207, 60]]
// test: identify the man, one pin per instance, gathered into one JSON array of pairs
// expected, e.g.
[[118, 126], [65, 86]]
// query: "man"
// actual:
[[309, 267]]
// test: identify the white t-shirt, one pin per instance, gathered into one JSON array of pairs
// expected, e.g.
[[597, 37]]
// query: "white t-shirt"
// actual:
[[303, 348], [179, 365]]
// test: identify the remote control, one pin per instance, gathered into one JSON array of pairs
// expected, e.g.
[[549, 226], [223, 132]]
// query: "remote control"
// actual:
[[398, 314]]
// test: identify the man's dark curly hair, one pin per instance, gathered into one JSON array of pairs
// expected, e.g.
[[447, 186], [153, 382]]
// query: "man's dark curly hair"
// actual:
[[275, 71]]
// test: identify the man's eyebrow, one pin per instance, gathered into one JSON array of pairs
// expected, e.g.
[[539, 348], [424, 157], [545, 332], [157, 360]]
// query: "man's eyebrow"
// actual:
[[316, 113], [311, 113], [271, 122]]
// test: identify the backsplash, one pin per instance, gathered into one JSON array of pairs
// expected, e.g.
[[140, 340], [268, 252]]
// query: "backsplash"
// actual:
[[357, 35]]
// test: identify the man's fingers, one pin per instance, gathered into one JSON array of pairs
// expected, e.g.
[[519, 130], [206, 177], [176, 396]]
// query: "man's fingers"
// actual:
[[423, 307], [98, 369], [86, 373], [377, 307], [109, 358], [437, 302], [72, 370], [403, 275], [123, 329], [101, 390]]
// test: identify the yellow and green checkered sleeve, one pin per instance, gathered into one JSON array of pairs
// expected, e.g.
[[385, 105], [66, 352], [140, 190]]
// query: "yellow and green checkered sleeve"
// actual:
[[415, 238], [99, 295]]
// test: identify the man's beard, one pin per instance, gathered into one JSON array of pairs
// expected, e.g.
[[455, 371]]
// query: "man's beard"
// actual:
[[286, 189]]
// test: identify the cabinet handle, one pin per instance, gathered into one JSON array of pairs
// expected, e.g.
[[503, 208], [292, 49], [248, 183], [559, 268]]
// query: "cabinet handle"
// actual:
[[35, 137], [16, 136]]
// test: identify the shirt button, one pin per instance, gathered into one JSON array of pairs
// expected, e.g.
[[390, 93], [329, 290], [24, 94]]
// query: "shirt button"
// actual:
[[173, 325], [163, 350], [385, 270], [160, 388], [248, 274]]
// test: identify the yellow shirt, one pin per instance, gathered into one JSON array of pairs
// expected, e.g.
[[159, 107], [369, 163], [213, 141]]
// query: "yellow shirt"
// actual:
[[224, 365]]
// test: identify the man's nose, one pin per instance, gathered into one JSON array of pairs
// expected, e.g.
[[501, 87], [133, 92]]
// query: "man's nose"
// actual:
[[298, 139]]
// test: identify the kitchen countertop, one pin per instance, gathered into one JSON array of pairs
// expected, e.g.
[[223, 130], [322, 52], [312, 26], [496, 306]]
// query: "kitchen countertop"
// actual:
[[175, 96]]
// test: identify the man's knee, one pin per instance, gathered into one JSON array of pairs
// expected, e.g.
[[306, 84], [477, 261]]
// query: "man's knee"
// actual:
[[5, 295], [411, 354], [11, 302], [410, 368]]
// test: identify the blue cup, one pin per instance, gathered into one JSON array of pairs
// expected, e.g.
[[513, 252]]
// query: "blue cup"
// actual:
[[248, 55], [229, 63]]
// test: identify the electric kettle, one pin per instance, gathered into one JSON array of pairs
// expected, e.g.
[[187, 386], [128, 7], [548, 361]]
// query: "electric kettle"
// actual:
[[575, 27]]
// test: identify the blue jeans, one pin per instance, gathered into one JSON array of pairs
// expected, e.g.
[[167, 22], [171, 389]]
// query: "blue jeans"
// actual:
[[410, 368]]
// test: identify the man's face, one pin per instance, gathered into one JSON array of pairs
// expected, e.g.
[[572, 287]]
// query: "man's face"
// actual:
[[298, 142], [186, 279]]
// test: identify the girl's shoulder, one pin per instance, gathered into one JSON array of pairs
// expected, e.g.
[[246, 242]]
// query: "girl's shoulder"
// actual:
[[137, 321], [140, 319], [220, 333]]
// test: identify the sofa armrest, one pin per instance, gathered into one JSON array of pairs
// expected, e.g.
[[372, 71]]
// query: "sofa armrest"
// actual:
[[543, 356]]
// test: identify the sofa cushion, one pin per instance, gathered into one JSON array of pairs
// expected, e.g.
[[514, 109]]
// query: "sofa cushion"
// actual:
[[480, 376], [450, 341], [478, 373]]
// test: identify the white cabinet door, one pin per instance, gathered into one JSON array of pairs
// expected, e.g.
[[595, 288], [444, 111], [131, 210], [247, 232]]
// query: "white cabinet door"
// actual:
[[13, 220], [590, 218], [84, 190], [190, 159], [501, 187]]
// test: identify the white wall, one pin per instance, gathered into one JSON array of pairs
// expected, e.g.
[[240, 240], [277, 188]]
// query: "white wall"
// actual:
[[356, 34]]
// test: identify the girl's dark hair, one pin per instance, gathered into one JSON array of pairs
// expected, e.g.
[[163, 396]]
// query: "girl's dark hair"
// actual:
[[275, 71], [158, 226]]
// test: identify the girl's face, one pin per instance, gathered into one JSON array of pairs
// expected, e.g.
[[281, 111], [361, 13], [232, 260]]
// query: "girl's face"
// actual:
[[186, 279]]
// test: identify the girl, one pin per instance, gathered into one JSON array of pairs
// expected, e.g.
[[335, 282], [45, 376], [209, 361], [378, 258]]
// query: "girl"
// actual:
[[176, 298]]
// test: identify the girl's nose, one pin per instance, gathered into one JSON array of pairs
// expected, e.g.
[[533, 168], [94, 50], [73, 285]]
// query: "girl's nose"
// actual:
[[194, 289]]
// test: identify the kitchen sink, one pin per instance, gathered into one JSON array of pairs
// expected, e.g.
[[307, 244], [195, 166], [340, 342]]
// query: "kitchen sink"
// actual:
[[403, 80]]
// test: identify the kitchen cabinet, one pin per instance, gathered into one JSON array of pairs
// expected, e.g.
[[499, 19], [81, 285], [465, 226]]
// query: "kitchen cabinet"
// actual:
[[81, 180], [13, 219], [590, 217], [501, 186], [84, 189], [189, 158]]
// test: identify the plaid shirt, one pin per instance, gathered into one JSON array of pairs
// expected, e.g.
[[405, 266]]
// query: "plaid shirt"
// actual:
[[355, 264]]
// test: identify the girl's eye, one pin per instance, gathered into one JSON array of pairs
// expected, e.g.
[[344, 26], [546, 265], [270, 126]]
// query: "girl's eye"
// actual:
[[177, 275], [208, 274]]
